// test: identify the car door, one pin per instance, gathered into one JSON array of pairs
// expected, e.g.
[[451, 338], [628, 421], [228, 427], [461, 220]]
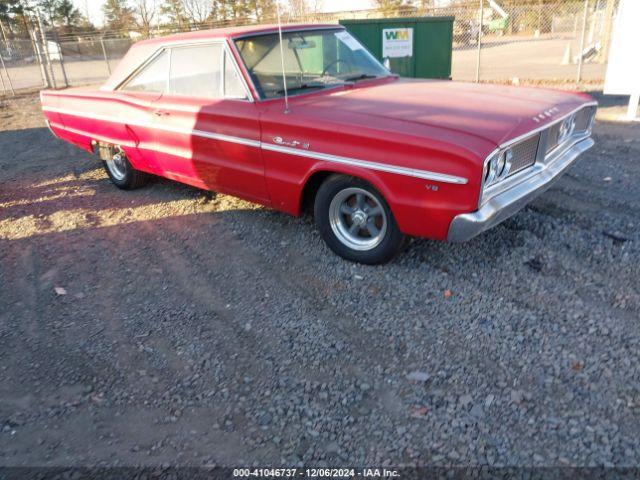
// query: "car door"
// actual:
[[207, 127], [136, 98]]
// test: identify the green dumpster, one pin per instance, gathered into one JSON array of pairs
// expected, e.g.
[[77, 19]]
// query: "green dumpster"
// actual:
[[411, 47]]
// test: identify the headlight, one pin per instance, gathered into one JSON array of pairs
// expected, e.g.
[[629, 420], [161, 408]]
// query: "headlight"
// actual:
[[567, 128], [497, 167], [505, 166], [490, 170], [500, 165]]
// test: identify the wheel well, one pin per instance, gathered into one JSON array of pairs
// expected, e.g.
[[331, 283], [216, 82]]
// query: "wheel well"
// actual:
[[311, 188]]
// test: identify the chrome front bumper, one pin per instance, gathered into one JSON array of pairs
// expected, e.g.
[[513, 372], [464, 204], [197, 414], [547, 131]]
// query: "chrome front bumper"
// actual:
[[505, 204]]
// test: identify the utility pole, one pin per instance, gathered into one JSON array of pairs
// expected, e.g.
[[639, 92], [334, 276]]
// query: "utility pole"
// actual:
[[582, 40], [479, 41]]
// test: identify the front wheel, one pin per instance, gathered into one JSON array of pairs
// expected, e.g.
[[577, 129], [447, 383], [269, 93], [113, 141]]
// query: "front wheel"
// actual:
[[356, 222], [122, 173]]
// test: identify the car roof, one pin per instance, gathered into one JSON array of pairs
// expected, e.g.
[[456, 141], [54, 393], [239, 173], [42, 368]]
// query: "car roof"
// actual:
[[235, 32], [142, 50]]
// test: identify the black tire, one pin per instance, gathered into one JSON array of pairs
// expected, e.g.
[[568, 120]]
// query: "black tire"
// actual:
[[385, 245], [123, 175]]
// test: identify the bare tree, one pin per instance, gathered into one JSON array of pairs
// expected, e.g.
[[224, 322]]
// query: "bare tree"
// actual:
[[174, 11], [197, 11], [299, 8], [145, 11], [392, 7], [303, 8], [263, 9], [316, 6]]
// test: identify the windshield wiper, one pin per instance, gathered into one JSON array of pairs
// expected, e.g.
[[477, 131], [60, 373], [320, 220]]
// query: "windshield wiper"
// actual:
[[362, 76], [304, 86]]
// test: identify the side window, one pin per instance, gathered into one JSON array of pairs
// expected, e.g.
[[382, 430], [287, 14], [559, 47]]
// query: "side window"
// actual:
[[196, 71], [232, 83], [152, 78]]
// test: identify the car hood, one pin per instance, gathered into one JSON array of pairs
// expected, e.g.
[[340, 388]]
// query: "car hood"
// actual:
[[496, 113]]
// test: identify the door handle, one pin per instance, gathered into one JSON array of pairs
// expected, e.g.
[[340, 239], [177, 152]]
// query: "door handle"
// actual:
[[161, 113]]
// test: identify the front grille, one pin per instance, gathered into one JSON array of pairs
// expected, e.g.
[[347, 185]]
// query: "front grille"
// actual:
[[552, 138], [583, 119], [538, 145], [582, 124], [524, 154]]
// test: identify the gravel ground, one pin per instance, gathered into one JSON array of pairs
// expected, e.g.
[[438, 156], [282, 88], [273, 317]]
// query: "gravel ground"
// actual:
[[172, 326]]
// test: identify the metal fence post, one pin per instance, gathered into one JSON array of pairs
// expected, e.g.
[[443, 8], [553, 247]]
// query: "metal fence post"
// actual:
[[582, 39], [45, 45], [106, 57], [4, 87], [479, 41], [632, 109], [64, 71], [36, 49], [6, 72], [606, 40], [4, 35]]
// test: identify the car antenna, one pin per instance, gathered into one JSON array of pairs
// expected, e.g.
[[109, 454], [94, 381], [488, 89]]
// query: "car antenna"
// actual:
[[284, 75]]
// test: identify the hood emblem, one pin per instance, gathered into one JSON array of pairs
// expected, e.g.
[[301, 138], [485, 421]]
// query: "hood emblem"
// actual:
[[546, 114]]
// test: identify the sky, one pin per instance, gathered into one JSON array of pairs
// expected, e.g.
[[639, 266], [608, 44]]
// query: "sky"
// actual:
[[95, 12]]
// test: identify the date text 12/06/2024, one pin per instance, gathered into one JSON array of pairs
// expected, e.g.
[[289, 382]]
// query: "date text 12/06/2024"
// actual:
[[315, 473]]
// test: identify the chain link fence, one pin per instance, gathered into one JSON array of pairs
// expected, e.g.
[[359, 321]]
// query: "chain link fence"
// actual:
[[20, 66], [562, 42], [90, 61], [523, 41]]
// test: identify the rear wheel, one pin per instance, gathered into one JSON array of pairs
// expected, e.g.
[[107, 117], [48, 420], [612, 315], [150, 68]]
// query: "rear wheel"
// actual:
[[356, 222], [122, 173]]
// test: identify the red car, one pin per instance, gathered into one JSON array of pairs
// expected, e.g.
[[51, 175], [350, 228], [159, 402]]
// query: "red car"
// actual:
[[310, 119]]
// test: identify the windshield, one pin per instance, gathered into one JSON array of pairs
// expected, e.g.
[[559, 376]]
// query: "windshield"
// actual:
[[313, 59]]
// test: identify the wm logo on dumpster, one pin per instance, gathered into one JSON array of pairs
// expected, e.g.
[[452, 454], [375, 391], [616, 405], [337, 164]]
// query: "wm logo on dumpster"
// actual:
[[400, 34]]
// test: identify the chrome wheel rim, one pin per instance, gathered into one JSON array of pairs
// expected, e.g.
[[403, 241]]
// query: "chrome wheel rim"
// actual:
[[117, 166], [357, 219]]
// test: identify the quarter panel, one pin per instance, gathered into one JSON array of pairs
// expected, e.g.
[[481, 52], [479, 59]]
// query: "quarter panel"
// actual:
[[115, 118], [421, 207]]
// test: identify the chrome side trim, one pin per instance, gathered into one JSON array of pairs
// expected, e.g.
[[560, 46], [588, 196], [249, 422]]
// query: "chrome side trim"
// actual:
[[155, 126], [201, 133], [92, 116], [326, 157], [409, 172], [112, 141], [502, 206], [100, 138], [50, 125]]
